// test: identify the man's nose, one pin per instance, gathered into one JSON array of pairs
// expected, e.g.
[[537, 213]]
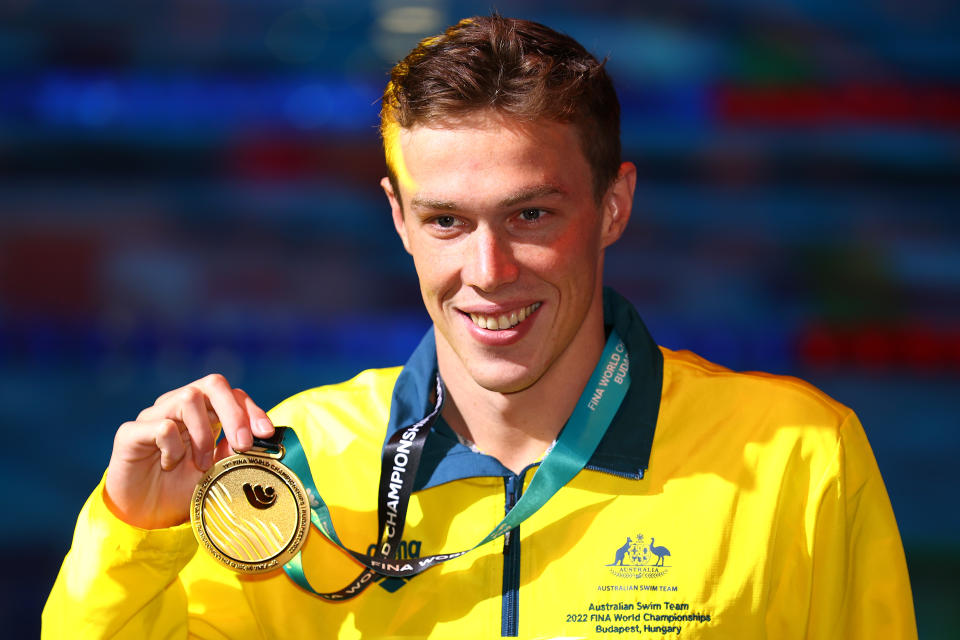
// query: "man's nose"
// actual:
[[488, 260]]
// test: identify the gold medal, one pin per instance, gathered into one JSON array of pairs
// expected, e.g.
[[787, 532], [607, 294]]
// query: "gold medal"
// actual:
[[250, 512]]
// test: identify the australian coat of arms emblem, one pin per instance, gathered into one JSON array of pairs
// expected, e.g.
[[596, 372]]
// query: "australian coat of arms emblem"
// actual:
[[638, 558]]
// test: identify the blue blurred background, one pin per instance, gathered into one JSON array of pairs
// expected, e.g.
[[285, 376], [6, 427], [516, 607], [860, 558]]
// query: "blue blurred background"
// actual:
[[191, 186]]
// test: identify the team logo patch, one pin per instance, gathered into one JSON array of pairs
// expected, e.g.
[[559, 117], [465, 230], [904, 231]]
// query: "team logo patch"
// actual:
[[638, 558]]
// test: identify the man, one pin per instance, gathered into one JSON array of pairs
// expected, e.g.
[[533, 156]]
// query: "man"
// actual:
[[506, 186]]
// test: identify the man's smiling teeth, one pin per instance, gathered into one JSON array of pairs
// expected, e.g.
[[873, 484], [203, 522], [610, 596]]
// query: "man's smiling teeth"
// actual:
[[505, 321]]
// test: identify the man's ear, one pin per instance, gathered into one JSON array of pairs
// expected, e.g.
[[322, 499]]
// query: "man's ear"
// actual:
[[618, 203], [397, 211]]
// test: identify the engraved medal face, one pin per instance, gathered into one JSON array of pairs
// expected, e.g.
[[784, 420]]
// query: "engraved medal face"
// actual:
[[251, 513]]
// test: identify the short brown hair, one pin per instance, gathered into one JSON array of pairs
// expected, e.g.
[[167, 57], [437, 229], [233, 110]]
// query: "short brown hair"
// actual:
[[519, 68]]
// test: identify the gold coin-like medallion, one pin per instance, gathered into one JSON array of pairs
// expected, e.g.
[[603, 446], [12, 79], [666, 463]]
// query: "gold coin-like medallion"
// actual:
[[251, 513]]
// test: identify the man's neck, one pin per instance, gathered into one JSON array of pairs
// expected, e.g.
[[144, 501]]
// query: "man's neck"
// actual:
[[517, 428]]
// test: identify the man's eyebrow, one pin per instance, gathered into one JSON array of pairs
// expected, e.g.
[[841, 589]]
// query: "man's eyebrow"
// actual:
[[530, 193], [431, 203], [524, 195]]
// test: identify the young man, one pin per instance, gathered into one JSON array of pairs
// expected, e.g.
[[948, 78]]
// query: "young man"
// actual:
[[751, 504]]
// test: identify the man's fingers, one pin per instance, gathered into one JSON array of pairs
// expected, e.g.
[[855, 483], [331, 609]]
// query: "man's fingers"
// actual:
[[195, 416], [206, 405], [136, 441], [231, 413], [257, 417], [172, 443], [161, 399]]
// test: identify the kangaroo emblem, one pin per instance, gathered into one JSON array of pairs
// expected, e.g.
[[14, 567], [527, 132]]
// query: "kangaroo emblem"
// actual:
[[258, 497], [622, 551]]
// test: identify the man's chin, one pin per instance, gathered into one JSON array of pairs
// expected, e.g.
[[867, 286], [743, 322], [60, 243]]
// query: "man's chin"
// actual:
[[506, 383]]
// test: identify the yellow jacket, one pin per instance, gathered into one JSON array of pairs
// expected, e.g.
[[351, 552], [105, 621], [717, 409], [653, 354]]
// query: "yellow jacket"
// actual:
[[718, 505]]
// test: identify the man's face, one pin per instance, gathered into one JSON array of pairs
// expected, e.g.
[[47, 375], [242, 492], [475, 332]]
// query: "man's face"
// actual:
[[507, 239]]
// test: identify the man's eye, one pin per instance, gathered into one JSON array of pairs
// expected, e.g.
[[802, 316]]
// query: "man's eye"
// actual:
[[445, 222], [531, 215]]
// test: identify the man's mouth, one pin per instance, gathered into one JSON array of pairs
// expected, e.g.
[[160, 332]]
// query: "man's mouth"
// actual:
[[505, 320]]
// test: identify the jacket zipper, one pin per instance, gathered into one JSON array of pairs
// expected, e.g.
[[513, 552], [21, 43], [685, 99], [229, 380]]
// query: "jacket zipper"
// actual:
[[510, 604]]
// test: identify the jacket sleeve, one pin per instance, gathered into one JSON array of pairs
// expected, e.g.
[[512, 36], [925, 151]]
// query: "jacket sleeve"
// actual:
[[860, 587], [119, 581]]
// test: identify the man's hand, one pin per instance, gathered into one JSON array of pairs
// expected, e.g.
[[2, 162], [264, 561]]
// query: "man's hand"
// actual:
[[158, 459]]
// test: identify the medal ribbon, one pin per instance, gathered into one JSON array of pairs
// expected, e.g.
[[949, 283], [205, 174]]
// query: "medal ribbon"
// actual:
[[588, 423]]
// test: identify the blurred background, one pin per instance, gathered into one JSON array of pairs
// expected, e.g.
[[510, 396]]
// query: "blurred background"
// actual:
[[191, 186]]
